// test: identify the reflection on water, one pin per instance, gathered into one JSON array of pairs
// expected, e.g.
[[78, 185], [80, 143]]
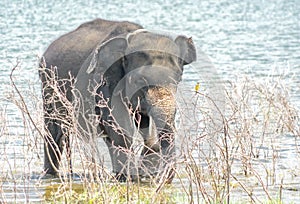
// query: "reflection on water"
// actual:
[[255, 38]]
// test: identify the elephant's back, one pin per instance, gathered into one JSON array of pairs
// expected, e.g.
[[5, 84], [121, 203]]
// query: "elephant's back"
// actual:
[[69, 51]]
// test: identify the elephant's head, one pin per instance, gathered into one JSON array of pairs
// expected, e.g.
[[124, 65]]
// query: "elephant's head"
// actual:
[[141, 72]]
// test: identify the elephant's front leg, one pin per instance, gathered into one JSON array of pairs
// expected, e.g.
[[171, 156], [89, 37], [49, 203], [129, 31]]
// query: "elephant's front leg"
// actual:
[[118, 124], [122, 158]]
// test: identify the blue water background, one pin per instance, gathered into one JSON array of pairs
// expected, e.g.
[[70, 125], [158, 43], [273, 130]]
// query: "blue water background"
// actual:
[[252, 37]]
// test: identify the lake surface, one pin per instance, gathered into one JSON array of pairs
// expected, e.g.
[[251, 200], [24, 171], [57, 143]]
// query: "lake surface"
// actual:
[[256, 38]]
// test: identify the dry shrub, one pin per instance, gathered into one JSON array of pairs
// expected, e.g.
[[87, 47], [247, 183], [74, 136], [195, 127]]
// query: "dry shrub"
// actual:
[[239, 157], [222, 153]]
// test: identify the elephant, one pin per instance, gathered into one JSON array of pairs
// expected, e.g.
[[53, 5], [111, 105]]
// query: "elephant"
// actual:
[[120, 80]]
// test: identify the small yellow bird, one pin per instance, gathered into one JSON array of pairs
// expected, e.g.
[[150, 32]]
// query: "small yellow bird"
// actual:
[[197, 87]]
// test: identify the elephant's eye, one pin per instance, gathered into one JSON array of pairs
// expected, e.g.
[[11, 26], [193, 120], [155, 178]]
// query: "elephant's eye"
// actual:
[[159, 57], [143, 56], [125, 61]]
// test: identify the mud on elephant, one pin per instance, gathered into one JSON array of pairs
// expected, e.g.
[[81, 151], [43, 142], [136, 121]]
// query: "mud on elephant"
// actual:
[[120, 80]]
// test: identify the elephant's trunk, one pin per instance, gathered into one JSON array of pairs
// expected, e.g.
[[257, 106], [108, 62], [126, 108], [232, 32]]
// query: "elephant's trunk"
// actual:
[[159, 141]]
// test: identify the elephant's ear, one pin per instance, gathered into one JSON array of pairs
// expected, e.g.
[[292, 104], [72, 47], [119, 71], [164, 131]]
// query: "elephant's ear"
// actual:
[[106, 54], [187, 49]]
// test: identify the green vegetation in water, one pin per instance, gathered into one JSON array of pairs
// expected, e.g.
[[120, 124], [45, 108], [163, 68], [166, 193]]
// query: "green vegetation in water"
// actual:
[[112, 193]]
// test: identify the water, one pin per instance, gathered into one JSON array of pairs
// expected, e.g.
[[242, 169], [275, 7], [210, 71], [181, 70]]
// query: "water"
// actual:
[[252, 37]]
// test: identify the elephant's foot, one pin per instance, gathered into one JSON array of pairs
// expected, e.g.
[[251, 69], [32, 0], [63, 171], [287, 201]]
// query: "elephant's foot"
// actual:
[[154, 167]]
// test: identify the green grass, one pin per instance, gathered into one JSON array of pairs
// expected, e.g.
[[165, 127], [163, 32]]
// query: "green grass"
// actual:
[[112, 193]]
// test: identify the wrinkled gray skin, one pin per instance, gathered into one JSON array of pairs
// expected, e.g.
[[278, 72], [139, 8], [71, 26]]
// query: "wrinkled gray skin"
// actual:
[[126, 68]]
